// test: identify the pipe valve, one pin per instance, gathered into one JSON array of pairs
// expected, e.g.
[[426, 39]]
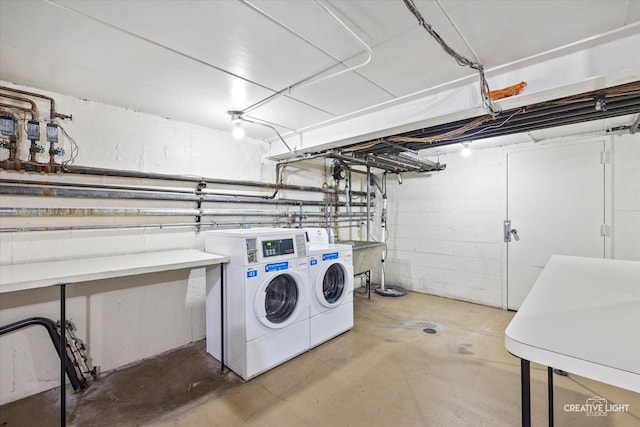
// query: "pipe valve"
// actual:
[[37, 148]]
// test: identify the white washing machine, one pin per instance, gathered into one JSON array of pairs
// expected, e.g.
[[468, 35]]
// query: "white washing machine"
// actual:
[[266, 294], [331, 299]]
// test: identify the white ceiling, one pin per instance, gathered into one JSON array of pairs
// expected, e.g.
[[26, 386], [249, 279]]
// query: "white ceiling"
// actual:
[[195, 60]]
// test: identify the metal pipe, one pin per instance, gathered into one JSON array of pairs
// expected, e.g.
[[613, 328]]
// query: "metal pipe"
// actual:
[[368, 203], [317, 77], [160, 225], [129, 212], [34, 107], [83, 170], [102, 186], [16, 107], [268, 125], [22, 190], [52, 111], [50, 326]]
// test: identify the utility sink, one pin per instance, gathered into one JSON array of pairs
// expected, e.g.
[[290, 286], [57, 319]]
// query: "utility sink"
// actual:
[[366, 255]]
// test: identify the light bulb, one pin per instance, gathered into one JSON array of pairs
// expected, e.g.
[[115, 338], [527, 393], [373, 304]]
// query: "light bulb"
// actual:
[[238, 131], [466, 151]]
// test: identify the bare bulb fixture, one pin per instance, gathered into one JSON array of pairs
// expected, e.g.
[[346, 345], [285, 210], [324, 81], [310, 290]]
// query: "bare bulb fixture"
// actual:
[[238, 131], [466, 150], [236, 119]]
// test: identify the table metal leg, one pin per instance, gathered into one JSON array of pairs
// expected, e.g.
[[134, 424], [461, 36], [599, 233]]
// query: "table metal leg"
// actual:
[[368, 276], [63, 359], [525, 384], [550, 386], [221, 319]]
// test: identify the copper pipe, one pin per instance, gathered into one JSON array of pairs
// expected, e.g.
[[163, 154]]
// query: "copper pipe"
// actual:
[[15, 107], [52, 112], [34, 107]]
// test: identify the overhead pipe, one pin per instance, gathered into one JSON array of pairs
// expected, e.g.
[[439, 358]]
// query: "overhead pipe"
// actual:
[[16, 107], [26, 190], [50, 326], [52, 111], [34, 107], [318, 77]]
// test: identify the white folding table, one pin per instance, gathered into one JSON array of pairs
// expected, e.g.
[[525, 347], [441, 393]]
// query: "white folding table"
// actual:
[[19, 277], [581, 316]]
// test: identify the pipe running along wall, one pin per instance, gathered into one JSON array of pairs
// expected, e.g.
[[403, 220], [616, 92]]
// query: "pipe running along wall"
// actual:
[[336, 205]]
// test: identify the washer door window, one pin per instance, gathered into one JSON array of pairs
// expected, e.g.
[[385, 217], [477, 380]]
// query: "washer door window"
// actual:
[[333, 283], [281, 298]]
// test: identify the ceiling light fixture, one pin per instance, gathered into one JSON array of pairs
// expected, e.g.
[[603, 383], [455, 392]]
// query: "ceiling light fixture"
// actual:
[[238, 132], [237, 117], [466, 150]]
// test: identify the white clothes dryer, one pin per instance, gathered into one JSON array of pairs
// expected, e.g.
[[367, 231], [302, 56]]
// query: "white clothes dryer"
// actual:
[[266, 298], [331, 299]]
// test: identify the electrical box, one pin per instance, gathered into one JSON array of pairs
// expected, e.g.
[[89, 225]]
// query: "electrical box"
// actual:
[[7, 126], [33, 130], [52, 132]]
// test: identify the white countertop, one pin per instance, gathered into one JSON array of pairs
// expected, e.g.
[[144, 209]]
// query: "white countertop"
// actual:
[[17, 277], [583, 316]]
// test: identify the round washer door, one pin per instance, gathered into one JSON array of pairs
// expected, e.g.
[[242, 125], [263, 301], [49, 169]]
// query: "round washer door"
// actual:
[[276, 302], [331, 287]]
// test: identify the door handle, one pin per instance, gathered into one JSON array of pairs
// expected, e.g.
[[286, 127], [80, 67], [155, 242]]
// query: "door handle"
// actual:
[[506, 226], [514, 231]]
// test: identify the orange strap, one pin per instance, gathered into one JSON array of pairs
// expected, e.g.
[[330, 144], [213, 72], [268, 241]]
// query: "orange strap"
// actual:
[[507, 91]]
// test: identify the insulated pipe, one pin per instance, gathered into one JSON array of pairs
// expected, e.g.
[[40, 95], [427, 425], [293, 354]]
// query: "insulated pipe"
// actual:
[[21, 190], [50, 326]]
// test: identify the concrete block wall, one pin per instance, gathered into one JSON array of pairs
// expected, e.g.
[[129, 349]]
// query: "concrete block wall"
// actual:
[[445, 229], [121, 320]]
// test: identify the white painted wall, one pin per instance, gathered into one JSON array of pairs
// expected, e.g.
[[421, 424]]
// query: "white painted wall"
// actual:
[[445, 229], [626, 197], [124, 320]]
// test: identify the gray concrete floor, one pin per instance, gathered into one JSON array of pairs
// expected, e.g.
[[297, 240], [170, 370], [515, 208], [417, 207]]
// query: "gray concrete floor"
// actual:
[[385, 372]]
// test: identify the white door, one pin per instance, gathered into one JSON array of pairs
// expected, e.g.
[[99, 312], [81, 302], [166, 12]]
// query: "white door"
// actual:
[[556, 205]]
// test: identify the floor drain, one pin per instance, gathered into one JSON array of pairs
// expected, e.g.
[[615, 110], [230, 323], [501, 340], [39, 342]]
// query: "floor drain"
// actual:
[[429, 330]]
